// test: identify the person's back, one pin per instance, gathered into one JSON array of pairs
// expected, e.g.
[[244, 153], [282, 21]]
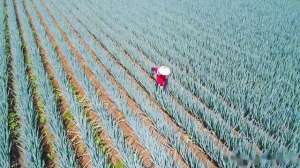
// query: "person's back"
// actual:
[[161, 76], [160, 80]]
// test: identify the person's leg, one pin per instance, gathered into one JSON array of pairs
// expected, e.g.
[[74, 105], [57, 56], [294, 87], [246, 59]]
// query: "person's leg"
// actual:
[[159, 86], [165, 85]]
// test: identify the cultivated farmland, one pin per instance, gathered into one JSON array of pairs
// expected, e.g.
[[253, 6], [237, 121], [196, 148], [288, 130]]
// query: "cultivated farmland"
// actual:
[[76, 87]]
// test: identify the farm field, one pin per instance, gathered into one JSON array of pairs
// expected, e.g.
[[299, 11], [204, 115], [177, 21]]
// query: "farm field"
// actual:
[[76, 87]]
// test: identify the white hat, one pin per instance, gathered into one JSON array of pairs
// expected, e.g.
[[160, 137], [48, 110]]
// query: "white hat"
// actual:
[[164, 70]]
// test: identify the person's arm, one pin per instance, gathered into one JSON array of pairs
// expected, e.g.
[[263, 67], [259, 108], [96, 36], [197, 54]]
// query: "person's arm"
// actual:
[[154, 70]]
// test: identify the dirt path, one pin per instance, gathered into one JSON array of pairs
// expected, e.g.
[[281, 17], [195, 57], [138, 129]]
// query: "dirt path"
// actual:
[[108, 104], [73, 134]]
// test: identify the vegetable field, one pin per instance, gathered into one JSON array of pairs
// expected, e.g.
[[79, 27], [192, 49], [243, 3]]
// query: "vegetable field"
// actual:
[[76, 87]]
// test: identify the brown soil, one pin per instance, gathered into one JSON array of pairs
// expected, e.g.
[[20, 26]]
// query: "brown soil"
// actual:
[[73, 134], [111, 107]]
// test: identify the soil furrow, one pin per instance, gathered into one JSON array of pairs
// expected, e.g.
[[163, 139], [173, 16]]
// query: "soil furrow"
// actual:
[[131, 138], [131, 104], [72, 130]]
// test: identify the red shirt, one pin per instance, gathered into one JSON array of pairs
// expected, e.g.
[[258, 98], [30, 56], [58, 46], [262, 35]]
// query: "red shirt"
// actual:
[[160, 80]]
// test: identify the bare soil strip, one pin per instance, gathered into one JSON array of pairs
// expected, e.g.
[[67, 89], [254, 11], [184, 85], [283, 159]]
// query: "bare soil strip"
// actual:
[[73, 134], [131, 138], [131, 104], [48, 153], [194, 148]]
